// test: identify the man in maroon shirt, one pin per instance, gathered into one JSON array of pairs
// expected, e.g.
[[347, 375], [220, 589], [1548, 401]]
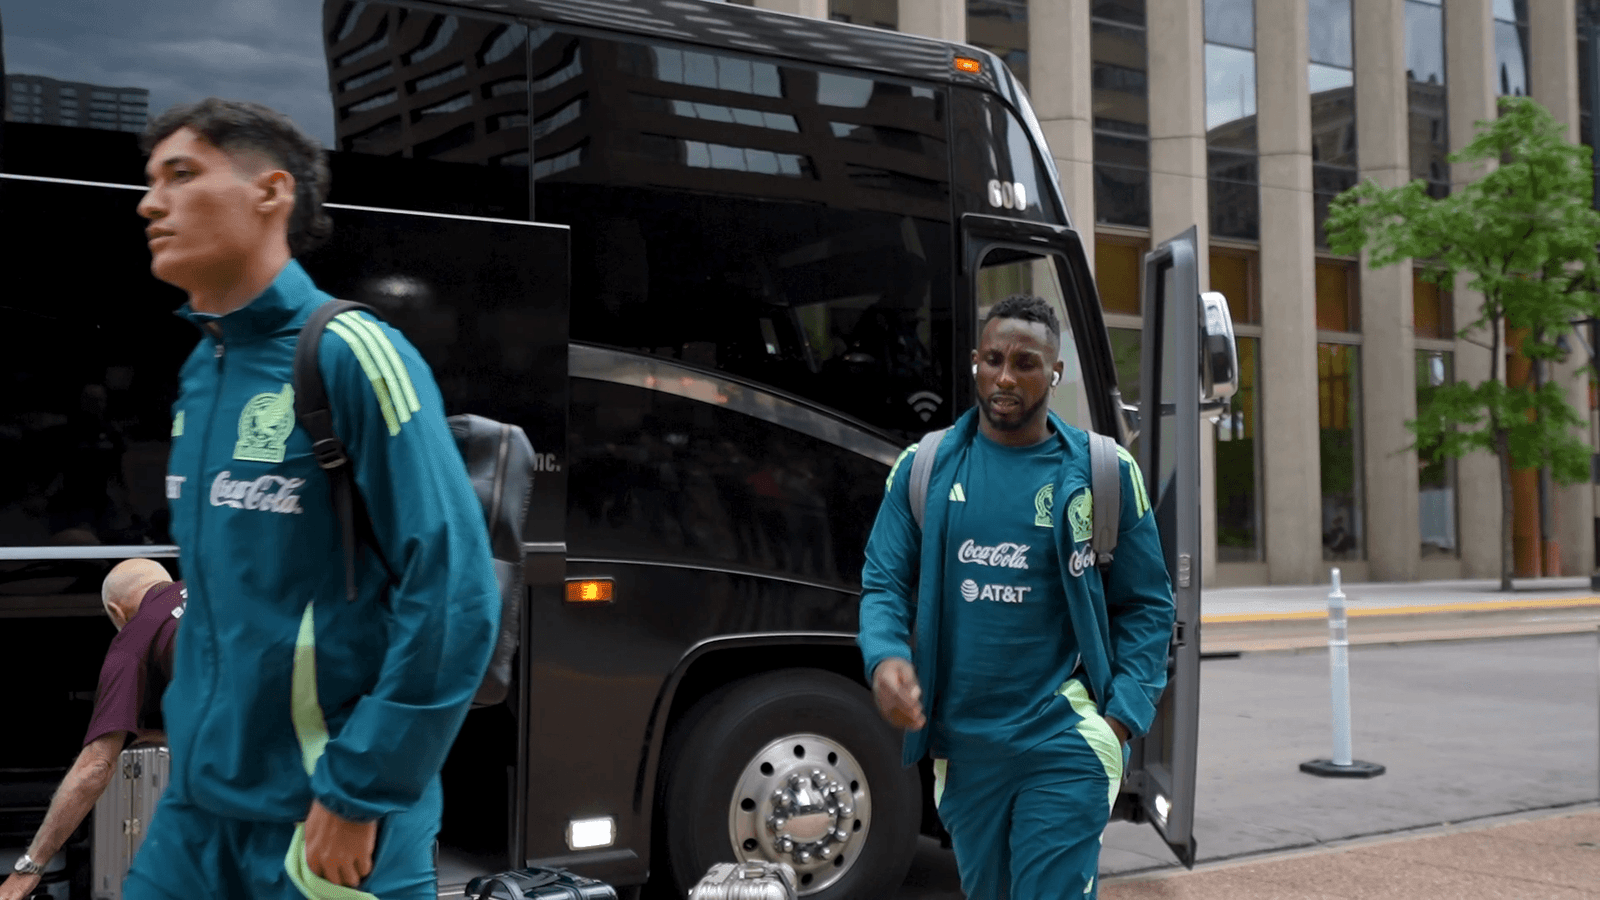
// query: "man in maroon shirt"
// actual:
[[144, 603]]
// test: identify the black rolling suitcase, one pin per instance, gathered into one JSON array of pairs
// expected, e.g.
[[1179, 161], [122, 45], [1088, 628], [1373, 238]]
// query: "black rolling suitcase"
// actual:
[[538, 884]]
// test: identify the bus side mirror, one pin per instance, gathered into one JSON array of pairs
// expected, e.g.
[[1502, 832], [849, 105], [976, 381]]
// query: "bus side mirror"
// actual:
[[1219, 355]]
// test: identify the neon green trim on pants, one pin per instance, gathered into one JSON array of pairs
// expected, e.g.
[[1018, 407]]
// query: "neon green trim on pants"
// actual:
[[1098, 734], [940, 767], [312, 730]]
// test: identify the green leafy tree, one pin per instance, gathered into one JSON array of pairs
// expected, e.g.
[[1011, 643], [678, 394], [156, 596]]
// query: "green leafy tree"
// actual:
[[1525, 236]]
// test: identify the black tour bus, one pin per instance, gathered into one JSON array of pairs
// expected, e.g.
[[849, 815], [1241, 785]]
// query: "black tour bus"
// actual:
[[721, 264]]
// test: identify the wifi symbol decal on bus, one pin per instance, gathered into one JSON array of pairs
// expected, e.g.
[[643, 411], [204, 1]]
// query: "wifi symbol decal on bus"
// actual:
[[923, 403]]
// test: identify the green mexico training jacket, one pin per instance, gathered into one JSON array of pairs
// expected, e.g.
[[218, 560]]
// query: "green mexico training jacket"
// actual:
[[395, 671]]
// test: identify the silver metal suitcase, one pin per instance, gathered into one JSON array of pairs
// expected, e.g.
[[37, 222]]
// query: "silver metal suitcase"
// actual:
[[122, 816], [757, 880]]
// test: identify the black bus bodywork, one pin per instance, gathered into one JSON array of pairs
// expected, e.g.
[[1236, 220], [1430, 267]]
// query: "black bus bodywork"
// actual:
[[721, 264]]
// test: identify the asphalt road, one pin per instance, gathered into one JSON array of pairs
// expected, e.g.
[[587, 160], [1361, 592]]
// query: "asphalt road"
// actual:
[[1467, 729]]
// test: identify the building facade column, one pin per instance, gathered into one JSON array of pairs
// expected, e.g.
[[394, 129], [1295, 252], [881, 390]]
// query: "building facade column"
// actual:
[[942, 19], [1388, 352], [1471, 85], [1291, 456], [1553, 81], [1059, 86], [816, 9], [1175, 41]]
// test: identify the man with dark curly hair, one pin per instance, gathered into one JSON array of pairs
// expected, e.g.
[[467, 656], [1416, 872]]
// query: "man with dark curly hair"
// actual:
[[307, 726], [993, 635]]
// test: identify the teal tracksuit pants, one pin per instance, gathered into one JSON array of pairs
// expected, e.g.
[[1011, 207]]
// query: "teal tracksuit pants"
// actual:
[[191, 853], [1029, 827]]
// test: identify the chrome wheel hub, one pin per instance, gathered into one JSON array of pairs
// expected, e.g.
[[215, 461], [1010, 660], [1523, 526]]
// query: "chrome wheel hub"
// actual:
[[802, 800]]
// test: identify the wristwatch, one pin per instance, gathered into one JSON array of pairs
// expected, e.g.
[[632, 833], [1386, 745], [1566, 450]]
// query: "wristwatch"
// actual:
[[26, 866]]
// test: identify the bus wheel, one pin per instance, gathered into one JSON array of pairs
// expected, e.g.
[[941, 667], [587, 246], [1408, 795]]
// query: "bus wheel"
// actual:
[[793, 766]]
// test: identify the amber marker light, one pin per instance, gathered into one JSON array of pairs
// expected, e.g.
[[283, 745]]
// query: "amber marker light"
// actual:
[[968, 64], [589, 590]]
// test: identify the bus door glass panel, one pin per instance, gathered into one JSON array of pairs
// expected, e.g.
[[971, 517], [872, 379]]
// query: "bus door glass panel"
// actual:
[[1162, 765], [1005, 271], [998, 168], [784, 224]]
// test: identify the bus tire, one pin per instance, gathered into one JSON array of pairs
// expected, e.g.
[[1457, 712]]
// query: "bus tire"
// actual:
[[793, 765]]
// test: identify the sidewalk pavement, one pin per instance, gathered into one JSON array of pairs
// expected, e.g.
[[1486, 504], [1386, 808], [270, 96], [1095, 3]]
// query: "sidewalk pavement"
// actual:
[[1294, 617], [1550, 856]]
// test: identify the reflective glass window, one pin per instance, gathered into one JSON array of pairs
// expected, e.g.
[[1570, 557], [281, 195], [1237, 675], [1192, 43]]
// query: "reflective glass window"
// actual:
[[1436, 474], [1339, 423], [1233, 274], [425, 92], [1231, 22], [1001, 27], [1118, 267], [818, 258], [1328, 27], [1120, 95], [1426, 95], [1432, 308], [1238, 463], [1337, 306], [1230, 88], [1511, 47]]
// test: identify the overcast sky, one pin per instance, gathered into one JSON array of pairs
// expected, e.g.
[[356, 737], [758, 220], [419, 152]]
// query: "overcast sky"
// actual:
[[269, 51]]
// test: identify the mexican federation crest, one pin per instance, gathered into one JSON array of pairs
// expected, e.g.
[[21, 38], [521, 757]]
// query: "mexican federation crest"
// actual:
[[264, 427], [1080, 515]]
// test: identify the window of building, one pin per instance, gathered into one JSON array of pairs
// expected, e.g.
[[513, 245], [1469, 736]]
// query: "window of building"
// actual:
[[1511, 47], [1118, 265], [877, 13], [1001, 27], [1233, 274], [1238, 463], [1426, 95], [1432, 308], [1120, 95], [1339, 421], [1338, 302], [1333, 106], [1231, 119], [1436, 474]]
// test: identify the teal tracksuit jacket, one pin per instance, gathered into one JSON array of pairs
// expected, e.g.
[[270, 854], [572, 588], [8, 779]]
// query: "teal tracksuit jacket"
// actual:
[[1122, 627], [395, 671]]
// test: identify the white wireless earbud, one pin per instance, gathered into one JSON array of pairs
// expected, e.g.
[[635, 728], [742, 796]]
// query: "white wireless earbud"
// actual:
[[1055, 378], [974, 368]]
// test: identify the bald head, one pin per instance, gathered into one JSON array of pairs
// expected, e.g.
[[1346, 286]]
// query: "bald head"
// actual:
[[126, 585]]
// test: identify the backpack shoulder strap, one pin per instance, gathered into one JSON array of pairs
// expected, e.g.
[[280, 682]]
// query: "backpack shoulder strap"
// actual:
[[1105, 475], [312, 410], [922, 470]]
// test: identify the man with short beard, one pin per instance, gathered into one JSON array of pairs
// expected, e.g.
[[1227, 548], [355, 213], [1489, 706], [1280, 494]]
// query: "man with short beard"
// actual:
[[1033, 667]]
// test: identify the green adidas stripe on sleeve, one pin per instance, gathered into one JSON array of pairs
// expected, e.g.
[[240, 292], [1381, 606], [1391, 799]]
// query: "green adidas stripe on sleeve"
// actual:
[[1141, 497], [374, 374], [383, 349]]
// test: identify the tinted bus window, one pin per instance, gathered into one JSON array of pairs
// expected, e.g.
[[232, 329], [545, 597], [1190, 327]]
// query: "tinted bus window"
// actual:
[[998, 170], [423, 110], [784, 224]]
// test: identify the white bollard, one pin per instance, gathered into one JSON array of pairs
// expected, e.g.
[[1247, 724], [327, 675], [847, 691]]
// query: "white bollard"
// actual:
[[1339, 669], [1341, 765]]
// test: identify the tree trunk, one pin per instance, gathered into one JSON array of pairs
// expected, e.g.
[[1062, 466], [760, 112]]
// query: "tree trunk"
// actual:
[[1502, 446]]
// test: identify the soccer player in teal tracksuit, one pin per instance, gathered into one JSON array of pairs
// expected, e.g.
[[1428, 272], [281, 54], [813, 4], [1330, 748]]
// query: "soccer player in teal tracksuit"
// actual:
[[300, 721], [1029, 672]]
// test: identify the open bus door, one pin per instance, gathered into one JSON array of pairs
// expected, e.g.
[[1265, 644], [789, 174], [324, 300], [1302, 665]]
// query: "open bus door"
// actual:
[[1187, 361]]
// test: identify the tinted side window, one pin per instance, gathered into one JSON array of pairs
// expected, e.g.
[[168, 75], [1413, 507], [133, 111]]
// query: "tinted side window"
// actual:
[[783, 224], [421, 110]]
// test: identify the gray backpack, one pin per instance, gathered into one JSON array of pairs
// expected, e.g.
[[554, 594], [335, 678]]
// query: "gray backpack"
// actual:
[[1105, 485]]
